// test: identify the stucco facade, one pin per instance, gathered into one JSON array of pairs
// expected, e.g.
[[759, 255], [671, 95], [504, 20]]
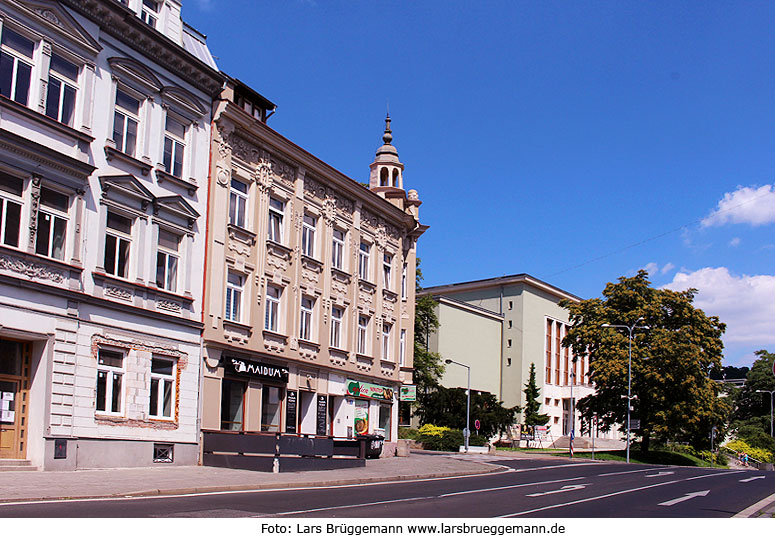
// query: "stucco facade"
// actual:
[[104, 144], [309, 296]]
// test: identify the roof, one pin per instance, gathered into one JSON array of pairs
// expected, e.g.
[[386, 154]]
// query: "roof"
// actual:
[[194, 43], [490, 283]]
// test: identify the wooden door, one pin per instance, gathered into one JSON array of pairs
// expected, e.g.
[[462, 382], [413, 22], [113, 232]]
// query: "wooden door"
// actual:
[[14, 381]]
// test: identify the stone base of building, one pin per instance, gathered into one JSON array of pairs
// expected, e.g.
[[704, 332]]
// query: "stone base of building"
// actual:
[[69, 454]]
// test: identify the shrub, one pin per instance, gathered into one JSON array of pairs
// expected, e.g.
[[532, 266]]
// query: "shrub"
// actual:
[[758, 454], [446, 439], [408, 433]]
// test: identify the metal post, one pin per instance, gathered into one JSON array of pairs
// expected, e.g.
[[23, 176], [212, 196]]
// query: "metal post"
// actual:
[[468, 409]]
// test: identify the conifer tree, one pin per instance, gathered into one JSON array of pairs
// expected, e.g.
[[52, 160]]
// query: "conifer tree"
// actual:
[[532, 403]]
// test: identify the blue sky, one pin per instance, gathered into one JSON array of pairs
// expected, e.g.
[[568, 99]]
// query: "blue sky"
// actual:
[[574, 141]]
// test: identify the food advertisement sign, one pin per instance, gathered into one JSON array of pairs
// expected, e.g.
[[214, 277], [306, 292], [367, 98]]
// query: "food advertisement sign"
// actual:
[[408, 393], [361, 417], [368, 390]]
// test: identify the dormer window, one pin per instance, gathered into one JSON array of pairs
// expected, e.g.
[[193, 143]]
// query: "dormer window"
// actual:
[[150, 12]]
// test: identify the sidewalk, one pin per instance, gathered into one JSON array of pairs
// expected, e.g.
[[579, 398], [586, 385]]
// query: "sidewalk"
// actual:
[[176, 480]]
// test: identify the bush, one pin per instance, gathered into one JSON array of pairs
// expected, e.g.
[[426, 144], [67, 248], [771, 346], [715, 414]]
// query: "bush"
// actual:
[[446, 439], [742, 447], [704, 455], [408, 433]]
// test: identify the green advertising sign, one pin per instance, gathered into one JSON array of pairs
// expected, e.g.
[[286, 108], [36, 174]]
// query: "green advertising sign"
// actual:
[[368, 390], [407, 393]]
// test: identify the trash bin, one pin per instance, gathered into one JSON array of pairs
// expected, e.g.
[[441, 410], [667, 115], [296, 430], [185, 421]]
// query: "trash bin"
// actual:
[[373, 445]]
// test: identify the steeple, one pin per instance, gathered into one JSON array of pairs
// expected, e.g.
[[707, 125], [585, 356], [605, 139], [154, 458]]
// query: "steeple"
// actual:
[[386, 171]]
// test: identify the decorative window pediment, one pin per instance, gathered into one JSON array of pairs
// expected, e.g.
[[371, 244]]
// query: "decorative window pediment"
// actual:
[[175, 207], [125, 188], [135, 74], [57, 21], [183, 102]]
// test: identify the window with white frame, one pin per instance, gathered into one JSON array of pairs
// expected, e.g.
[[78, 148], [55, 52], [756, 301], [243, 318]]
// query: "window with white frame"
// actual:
[[272, 319], [167, 259], [62, 89], [52, 224], [150, 12], [308, 235], [363, 260], [337, 250], [10, 209], [402, 349], [387, 330], [174, 146], [387, 267], [235, 284], [276, 214], [162, 388], [126, 119], [363, 334], [305, 318], [238, 201], [118, 241], [337, 316], [16, 53], [110, 375]]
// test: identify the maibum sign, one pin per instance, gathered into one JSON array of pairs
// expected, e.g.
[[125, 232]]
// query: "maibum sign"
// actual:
[[256, 369], [368, 390]]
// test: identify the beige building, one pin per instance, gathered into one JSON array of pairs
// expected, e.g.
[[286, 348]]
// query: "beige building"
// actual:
[[309, 294], [531, 327]]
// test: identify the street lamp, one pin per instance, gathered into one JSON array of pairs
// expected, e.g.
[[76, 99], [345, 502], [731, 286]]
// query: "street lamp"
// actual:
[[629, 329], [468, 401], [770, 392]]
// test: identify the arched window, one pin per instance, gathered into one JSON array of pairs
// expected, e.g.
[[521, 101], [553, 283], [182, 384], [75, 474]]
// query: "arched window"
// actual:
[[384, 178], [395, 178]]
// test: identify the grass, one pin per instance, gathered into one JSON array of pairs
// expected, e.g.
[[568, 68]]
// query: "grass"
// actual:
[[653, 457]]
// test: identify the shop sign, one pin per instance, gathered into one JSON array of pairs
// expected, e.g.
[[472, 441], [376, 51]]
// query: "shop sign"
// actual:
[[368, 390], [322, 415], [407, 393], [290, 411], [256, 369]]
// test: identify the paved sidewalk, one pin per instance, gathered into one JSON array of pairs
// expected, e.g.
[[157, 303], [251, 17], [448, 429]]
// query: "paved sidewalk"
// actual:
[[40, 485]]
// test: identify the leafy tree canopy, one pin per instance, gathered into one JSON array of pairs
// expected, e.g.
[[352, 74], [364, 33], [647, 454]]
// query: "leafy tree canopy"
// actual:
[[675, 398], [428, 367], [447, 407], [751, 418]]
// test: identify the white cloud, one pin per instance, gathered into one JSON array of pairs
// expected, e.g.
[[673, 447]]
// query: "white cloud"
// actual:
[[665, 269], [751, 205], [734, 242], [653, 268], [745, 303], [205, 5]]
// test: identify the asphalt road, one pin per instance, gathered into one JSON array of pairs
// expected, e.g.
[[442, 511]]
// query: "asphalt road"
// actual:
[[526, 487]]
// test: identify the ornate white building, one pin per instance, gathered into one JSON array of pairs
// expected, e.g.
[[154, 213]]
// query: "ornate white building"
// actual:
[[105, 111]]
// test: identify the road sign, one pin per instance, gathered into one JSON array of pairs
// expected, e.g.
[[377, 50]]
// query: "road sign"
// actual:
[[634, 423], [477, 425], [773, 367]]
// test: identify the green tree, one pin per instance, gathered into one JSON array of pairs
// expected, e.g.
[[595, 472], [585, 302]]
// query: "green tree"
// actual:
[[447, 407], [428, 367], [751, 419], [674, 398], [532, 403]]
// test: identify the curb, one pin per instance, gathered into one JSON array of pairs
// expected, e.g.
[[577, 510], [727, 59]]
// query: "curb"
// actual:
[[757, 508]]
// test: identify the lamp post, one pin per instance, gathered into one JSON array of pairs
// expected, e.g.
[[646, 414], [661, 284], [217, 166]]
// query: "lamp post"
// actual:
[[630, 330], [572, 406], [770, 392], [468, 401]]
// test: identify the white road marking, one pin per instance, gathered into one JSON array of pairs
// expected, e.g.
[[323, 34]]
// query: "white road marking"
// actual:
[[589, 499], [686, 497], [752, 479], [660, 473], [561, 490], [650, 469]]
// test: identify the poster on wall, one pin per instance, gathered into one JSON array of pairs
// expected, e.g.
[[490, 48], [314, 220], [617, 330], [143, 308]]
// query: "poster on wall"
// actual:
[[361, 417], [322, 418], [290, 411], [407, 393]]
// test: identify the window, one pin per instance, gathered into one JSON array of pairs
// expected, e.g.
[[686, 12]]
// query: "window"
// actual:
[[174, 146], [337, 315], [10, 209], [232, 401], [162, 388], [110, 372], [308, 236], [548, 351], [403, 282], [15, 66], [363, 332], [385, 413], [150, 12], [387, 264], [62, 83], [125, 121], [271, 402], [167, 258], [52, 224], [337, 250], [234, 288], [363, 260], [402, 350], [238, 200], [117, 243], [272, 308], [305, 323], [276, 213], [386, 331]]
